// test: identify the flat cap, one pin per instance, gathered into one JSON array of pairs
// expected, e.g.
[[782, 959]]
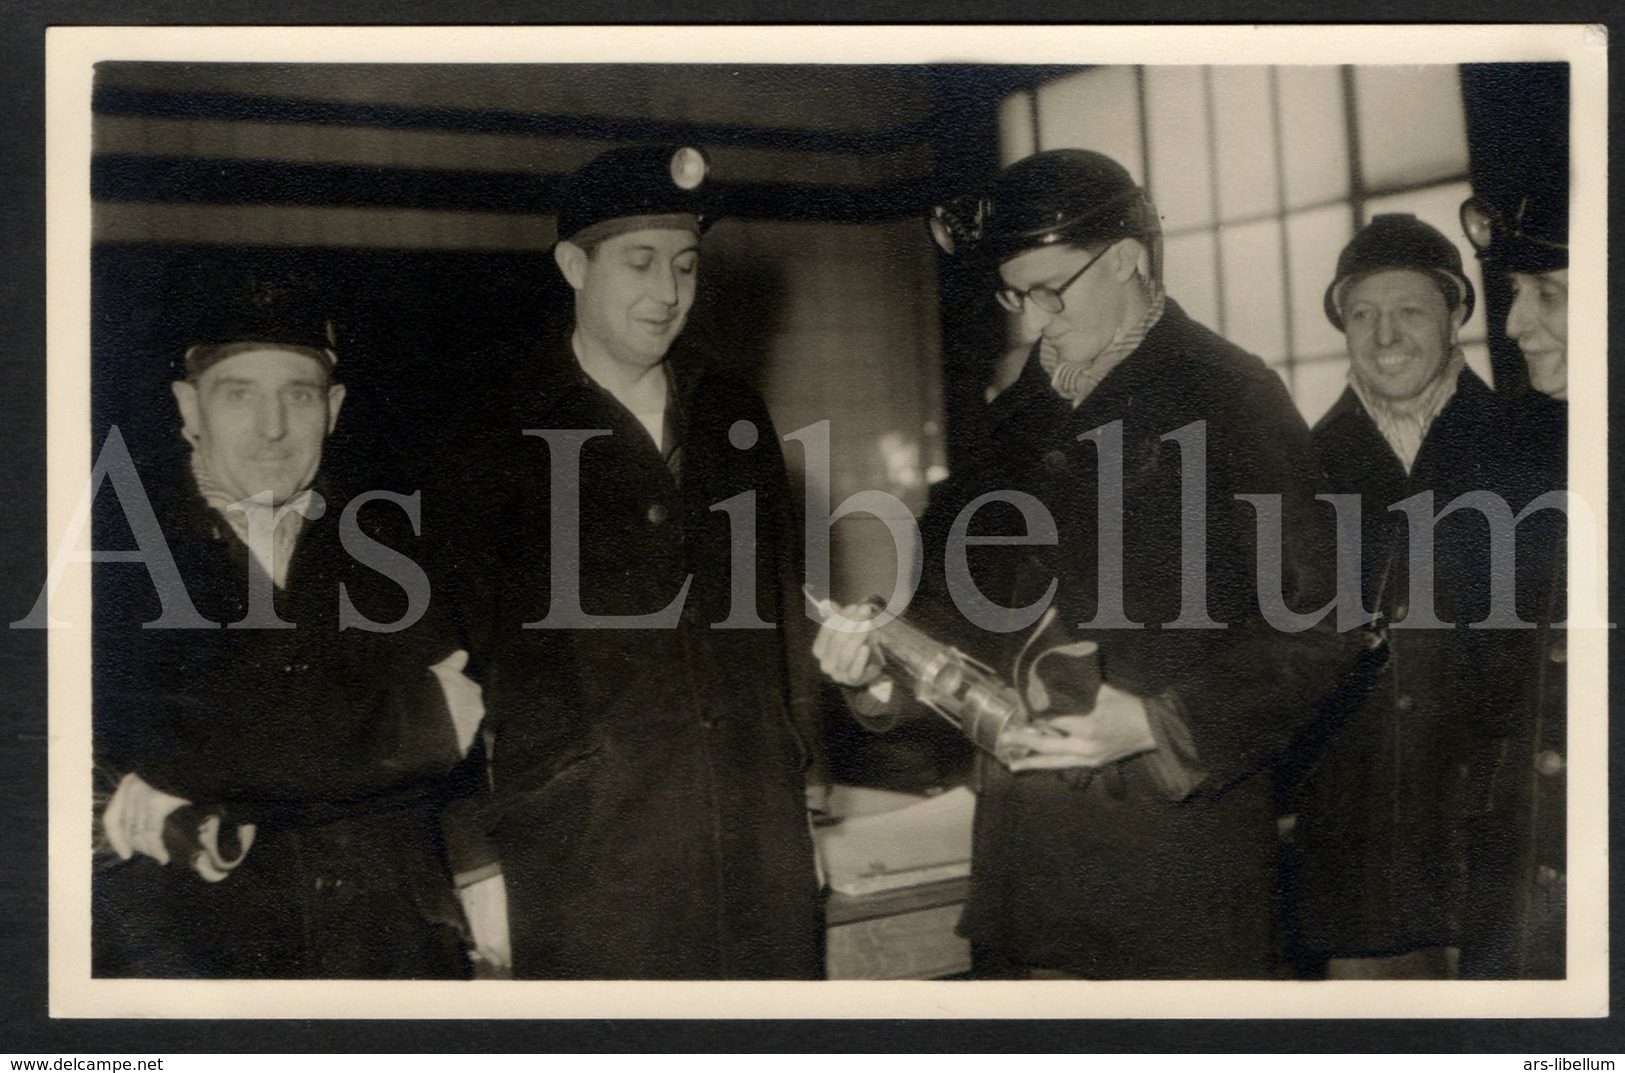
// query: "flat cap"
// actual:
[[283, 312]]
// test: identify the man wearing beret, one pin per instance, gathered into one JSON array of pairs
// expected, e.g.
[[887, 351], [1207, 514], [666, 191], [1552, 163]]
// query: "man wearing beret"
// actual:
[[1401, 875], [273, 760], [626, 565]]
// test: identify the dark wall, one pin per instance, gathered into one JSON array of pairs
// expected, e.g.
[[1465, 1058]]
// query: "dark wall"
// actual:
[[425, 338], [965, 144]]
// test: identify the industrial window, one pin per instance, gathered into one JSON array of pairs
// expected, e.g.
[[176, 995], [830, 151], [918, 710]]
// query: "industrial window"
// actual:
[[1261, 175]]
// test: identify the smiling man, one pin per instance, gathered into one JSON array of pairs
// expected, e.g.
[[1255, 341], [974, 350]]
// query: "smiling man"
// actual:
[[1531, 246], [273, 776], [626, 564], [1408, 868]]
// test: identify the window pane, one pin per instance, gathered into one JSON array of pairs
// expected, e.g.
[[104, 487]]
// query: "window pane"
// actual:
[[1411, 124], [1312, 134], [1246, 141], [1016, 132], [1313, 241], [1317, 384], [1098, 110], [1441, 207], [1254, 301], [1181, 174], [1188, 272]]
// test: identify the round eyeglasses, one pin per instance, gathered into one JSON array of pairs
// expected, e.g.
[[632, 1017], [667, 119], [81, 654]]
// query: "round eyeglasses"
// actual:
[[1047, 298]]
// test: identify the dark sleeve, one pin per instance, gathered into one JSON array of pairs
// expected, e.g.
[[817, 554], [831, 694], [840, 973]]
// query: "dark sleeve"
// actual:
[[1257, 685], [468, 819], [465, 513], [464, 510], [274, 717], [801, 677]]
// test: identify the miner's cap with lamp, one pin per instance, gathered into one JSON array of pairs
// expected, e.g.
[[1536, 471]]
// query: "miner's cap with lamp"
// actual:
[[1532, 238], [1398, 240], [1072, 196], [259, 312], [635, 188]]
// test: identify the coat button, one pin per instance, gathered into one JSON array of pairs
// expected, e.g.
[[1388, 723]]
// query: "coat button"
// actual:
[[1404, 702], [656, 513], [1401, 609], [1547, 876], [1558, 652], [1055, 459], [1548, 761]]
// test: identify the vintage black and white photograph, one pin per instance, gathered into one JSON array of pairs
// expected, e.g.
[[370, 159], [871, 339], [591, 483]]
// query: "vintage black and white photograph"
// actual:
[[1001, 508]]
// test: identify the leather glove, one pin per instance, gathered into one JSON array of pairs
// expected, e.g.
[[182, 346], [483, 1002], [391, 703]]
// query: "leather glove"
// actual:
[[145, 820], [195, 836]]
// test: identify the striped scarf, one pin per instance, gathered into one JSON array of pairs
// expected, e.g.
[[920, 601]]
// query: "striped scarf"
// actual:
[[1405, 425], [1074, 379], [237, 512]]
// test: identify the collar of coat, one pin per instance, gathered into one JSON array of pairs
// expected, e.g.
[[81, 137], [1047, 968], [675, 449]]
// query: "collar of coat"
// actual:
[[554, 380], [1073, 379], [186, 515], [1470, 392], [1172, 335], [1405, 425], [285, 520]]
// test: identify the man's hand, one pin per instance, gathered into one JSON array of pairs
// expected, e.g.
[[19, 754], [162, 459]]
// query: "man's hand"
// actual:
[[847, 656], [485, 904], [134, 818], [1117, 729]]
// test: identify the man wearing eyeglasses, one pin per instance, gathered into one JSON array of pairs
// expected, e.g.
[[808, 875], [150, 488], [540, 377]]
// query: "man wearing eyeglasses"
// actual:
[[1131, 832]]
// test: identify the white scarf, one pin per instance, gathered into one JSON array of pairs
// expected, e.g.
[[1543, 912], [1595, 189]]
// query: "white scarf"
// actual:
[[1073, 378], [1405, 424], [242, 515]]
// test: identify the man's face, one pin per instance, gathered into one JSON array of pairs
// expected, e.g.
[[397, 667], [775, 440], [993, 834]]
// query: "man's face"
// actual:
[[259, 418], [1094, 303], [1539, 322], [633, 293], [1400, 332]]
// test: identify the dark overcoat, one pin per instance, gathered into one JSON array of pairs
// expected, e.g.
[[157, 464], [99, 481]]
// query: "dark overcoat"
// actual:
[[1131, 873], [1530, 939], [649, 800], [333, 743], [1415, 824]]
